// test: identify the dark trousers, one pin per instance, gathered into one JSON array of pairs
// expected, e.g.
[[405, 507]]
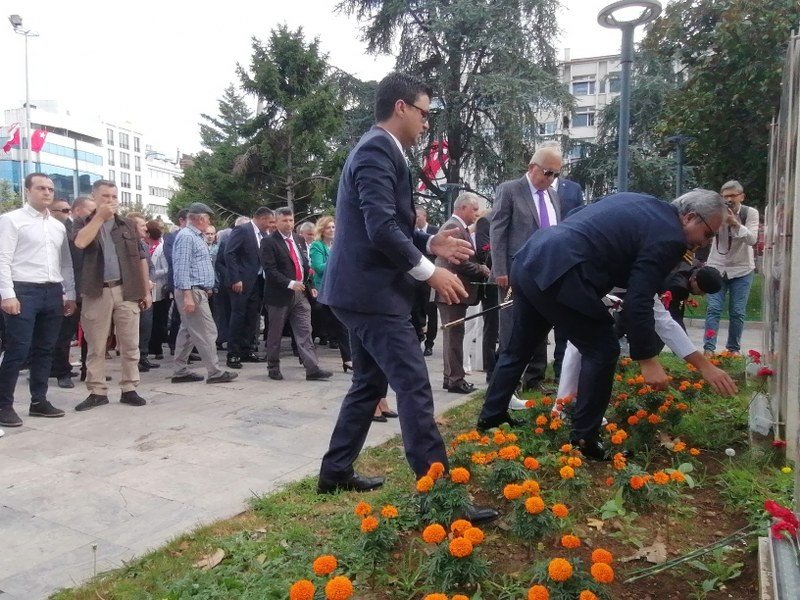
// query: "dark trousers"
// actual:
[[534, 371], [145, 331], [245, 308], [222, 314], [33, 332], [385, 351], [159, 333], [61, 366], [560, 350], [424, 315], [174, 325], [336, 330], [535, 313], [453, 344], [491, 320]]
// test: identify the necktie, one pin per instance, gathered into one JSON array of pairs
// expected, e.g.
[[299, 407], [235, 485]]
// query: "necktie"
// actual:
[[544, 218], [298, 272]]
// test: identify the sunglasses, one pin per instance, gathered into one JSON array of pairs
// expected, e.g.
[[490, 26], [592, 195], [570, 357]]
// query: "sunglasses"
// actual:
[[548, 172], [424, 113], [66, 211]]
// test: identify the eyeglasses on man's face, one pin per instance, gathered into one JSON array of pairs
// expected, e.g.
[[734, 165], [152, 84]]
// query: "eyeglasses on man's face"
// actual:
[[65, 211], [425, 114], [710, 233], [548, 172]]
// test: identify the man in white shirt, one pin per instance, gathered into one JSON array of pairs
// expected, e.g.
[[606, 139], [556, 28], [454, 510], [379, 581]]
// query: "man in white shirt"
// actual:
[[732, 255], [37, 287]]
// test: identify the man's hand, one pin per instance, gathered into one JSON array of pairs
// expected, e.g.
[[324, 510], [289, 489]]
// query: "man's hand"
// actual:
[[502, 280], [11, 306], [719, 380], [485, 271], [448, 286], [731, 218], [70, 306], [453, 249], [106, 211], [654, 374], [188, 302], [297, 286], [314, 293], [237, 287], [147, 301]]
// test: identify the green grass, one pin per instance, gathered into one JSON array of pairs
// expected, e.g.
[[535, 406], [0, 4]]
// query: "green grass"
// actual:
[[752, 313]]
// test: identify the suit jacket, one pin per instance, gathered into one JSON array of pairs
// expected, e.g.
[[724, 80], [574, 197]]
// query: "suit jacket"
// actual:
[[376, 242], [468, 271], [514, 220], [570, 195], [279, 268], [483, 245], [242, 256], [629, 240]]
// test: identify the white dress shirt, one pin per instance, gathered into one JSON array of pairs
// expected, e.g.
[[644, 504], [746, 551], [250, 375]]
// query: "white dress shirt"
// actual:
[[551, 211], [732, 248], [34, 249]]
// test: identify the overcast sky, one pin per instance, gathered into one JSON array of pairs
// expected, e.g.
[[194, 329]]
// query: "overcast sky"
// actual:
[[159, 64]]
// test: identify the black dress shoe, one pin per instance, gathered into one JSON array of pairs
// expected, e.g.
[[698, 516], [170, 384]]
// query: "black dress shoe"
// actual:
[[462, 387], [427, 352], [188, 378], [234, 362], [592, 449], [66, 382], [275, 374], [148, 363], [320, 375], [224, 377], [480, 514], [92, 401], [132, 398], [252, 357], [484, 424], [159, 356], [143, 368], [390, 414], [354, 483], [380, 419]]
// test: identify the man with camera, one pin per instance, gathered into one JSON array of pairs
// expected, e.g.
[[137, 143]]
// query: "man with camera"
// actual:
[[731, 253]]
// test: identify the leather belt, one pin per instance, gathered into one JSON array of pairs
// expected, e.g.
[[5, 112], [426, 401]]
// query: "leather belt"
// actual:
[[113, 283]]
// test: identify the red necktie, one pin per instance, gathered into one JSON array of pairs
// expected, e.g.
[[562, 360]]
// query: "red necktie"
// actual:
[[298, 272]]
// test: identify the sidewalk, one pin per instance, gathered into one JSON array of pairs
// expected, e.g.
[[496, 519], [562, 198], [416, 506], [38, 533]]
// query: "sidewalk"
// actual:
[[129, 479]]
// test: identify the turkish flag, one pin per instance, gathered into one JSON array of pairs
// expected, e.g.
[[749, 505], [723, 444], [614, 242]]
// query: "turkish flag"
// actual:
[[37, 140], [434, 162], [14, 141]]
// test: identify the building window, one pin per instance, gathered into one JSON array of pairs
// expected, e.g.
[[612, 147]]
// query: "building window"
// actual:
[[138, 180], [124, 160], [123, 141], [110, 136], [136, 147], [112, 176], [110, 157], [125, 180], [548, 128], [137, 162], [138, 198], [583, 87], [583, 119], [614, 83], [126, 198]]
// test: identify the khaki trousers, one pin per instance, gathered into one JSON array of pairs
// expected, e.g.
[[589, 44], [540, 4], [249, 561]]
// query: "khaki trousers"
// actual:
[[197, 330], [97, 315]]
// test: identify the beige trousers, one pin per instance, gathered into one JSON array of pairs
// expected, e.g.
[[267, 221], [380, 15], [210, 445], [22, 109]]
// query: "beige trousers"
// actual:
[[97, 315]]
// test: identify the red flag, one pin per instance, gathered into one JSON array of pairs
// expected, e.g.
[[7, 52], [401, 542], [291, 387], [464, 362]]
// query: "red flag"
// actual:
[[37, 140], [435, 161], [14, 141]]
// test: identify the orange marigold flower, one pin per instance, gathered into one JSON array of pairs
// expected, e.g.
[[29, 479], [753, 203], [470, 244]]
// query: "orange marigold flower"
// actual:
[[530, 403], [697, 386], [631, 381], [460, 547], [661, 478], [512, 491], [509, 452], [325, 564], [459, 526], [679, 447], [694, 452], [587, 595], [389, 512], [641, 413], [611, 427], [570, 541], [474, 535], [531, 486], [433, 534], [459, 597], [339, 588], [302, 590], [663, 408], [620, 461], [602, 572], [654, 419], [622, 396], [637, 482], [559, 569], [609, 481], [436, 470], [534, 505], [484, 441], [617, 377], [538, 431], [555, 424], [424, 484], [362, 509], [435, 597], [541, 420], [601, 555], [547, 400], [538, 592], [511, 437], [567, 472], [682, 406], [574, 462], [677, 477], [369, 524], [617, 439], [623, 434], [561, 511], [459, 475], [566, 448], [633, 420], [499, 438], [530, 463]]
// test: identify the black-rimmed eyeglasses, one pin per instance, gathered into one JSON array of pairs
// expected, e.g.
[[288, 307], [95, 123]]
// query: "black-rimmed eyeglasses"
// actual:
[[548, 172], [423, 113], [710, 233]]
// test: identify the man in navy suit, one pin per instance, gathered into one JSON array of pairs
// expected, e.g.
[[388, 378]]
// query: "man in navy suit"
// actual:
[[369, 284], [245, 280], [560, 277]]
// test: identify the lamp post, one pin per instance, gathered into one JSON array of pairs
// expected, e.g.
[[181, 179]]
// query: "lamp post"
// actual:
[[680, 141], [650, 9], [16, 23]]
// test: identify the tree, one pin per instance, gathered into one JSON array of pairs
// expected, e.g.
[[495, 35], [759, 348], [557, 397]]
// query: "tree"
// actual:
[[299, 114], [492, 66], [733, 53], [9, 199]]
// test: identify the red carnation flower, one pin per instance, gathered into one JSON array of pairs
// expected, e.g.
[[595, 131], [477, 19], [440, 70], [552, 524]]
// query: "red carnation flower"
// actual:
[[710, 333], [781, 512], [765, 372], [779, 444], [778, 528], [666, 299], [755, 355], [486, 247]]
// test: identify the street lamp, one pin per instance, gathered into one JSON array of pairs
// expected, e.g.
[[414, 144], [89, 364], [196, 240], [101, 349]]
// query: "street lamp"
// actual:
[[614, 16], [680, 141], [16, 23]]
